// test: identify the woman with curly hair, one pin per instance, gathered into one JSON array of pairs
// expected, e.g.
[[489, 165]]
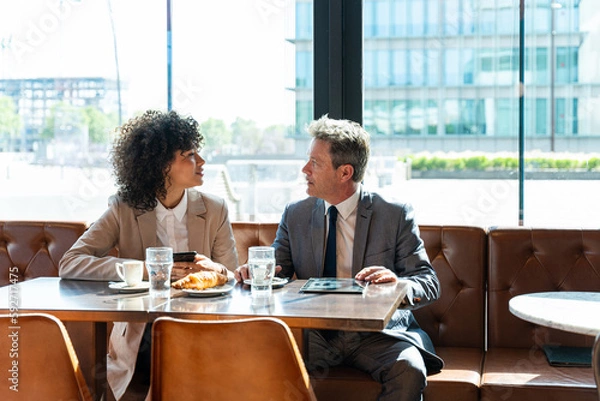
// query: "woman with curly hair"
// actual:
[[156, 166]]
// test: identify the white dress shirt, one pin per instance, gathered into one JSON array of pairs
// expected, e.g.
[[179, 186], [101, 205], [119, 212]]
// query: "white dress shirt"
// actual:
[[344, 239], [171, 228]]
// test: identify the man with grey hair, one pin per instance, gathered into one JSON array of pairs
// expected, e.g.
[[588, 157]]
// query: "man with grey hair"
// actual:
[[375, 241]]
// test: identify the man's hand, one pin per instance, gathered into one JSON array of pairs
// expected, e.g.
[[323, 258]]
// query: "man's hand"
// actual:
[[376, 275], [243, 273]]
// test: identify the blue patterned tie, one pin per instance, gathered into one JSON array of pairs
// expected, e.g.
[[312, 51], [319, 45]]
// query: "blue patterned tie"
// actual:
[[330, 260]]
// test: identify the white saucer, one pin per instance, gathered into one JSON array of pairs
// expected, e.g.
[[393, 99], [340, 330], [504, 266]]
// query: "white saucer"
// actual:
[[209, 292], [278, 282], [122, 287]]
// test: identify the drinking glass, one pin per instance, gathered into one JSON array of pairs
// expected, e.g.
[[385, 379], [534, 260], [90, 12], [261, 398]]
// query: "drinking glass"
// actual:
[[261, 265], [159, 262]]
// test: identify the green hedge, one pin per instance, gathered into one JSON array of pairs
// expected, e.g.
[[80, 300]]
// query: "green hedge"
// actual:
[[482, 163]]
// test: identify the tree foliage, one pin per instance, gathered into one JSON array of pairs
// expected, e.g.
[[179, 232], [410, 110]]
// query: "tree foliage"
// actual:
[[10, 123], [100, 125], [66, 119], [63, 121], [216, 134], [246, 136]]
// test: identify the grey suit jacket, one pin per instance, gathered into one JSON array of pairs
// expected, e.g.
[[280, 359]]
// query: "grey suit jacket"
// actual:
[[131, 232], [385, 235]]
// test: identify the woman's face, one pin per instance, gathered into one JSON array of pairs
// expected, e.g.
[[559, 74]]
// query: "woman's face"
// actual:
[[185, 170]]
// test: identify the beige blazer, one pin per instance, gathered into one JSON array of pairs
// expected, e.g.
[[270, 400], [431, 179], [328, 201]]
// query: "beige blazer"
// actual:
[[131, 231]]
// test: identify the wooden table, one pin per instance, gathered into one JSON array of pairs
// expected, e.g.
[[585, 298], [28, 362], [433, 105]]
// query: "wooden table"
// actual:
[[84, 301], [370, 311], [93, 301]]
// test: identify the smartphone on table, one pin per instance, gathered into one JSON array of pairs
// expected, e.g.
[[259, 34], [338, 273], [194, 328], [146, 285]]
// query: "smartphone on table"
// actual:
[[184, 256]]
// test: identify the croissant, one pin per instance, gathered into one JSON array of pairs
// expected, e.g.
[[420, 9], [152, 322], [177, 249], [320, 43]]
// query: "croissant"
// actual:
[[200, 281]]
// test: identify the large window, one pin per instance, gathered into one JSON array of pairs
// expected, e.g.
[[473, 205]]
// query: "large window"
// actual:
[[455, 116], [71, 71], [440, 97]]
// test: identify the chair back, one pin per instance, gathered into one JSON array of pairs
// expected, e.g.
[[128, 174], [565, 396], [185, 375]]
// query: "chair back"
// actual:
[[39, 359], [249, 359]]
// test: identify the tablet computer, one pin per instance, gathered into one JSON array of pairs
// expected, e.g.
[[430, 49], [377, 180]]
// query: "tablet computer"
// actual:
[[568, 356], [333, 285]]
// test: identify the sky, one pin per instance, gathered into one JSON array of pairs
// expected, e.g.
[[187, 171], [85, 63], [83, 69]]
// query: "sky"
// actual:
[[230, 57]]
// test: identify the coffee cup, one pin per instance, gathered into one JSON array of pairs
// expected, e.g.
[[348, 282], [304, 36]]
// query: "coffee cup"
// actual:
[[130, 271]]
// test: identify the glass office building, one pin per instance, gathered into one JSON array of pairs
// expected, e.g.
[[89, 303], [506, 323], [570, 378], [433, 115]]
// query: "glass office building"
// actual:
[[35, 101], [444, 75]]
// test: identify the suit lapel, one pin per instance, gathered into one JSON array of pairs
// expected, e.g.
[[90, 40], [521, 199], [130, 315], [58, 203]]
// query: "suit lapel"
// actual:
[[196, 222], [147, 227], [363, 222], [318, 237]]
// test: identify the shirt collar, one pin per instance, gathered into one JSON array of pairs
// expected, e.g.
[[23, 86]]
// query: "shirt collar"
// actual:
[[345, 208], [178, 211]]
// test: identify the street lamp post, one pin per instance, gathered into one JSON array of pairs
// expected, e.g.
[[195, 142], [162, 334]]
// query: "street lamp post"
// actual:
[[553, 7]]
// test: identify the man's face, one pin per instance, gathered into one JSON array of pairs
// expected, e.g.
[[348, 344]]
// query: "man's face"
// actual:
[[321, 177]]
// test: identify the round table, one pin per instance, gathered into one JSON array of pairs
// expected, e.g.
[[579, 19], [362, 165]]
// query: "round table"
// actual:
[[577, 312]]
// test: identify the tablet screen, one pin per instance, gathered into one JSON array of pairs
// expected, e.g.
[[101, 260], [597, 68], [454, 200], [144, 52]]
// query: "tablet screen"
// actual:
[[339, 285]]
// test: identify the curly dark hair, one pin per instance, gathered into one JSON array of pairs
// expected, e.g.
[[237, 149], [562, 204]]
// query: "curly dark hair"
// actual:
[[143, 152]]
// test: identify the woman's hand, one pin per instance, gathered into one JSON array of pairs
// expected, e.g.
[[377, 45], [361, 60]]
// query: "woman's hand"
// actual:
[[201, 262], [182, 269], [205, 263]]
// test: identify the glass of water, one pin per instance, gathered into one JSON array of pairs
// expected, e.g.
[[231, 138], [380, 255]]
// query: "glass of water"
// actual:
[[261, 265], [159, 262]]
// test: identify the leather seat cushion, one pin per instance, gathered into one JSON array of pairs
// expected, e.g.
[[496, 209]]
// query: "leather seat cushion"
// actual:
[[525, 374], [459, 380]]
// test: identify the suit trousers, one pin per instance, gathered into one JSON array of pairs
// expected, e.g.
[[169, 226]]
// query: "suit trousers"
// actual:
[[396, 364]]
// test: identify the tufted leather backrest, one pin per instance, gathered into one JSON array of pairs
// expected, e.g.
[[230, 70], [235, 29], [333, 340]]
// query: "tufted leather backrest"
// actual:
[[525, 260], [458, 255], [249, 234], [34, 248]]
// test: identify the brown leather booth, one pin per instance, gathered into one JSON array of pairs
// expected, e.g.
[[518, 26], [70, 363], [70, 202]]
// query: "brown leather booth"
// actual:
[[455, 322], [30, 249], [479, 272], [524, 260], [34, 248]]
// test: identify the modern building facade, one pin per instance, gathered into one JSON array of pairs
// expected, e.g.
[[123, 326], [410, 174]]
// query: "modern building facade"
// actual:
[[35, 97], [444, 74]]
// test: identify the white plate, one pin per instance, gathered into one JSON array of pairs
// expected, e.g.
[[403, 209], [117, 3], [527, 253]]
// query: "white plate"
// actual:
[[122, 287], [278, 282], [209, 292]]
